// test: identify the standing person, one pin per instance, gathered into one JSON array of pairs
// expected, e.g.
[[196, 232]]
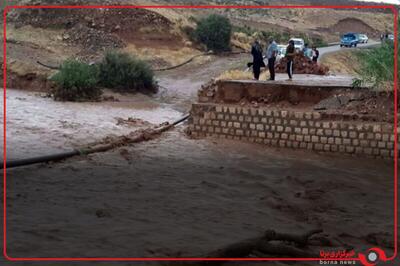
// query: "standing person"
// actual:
[[307, 52], [315, 54], [305, 49], [290, 53], [258, 62], [272, 51]]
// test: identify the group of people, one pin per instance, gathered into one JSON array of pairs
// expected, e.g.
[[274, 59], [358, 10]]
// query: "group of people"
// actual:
[[271, 54]]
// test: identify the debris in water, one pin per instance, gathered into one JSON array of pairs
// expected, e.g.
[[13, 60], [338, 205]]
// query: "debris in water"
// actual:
[[126, 154], [132, 122]]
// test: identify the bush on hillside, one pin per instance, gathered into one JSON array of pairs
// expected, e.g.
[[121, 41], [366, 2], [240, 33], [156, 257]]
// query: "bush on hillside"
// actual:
[[215, 32], [122, 71], [76, 81]]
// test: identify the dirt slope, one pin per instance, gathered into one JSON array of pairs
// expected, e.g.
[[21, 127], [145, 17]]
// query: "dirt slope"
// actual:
[[157, 35], [97, 30], [53, 35]]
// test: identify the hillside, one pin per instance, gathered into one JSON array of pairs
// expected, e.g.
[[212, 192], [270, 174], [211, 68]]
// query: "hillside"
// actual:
[[161, 36]]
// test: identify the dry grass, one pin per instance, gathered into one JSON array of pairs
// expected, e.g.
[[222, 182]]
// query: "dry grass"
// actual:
[[343, 62], [241, 40]]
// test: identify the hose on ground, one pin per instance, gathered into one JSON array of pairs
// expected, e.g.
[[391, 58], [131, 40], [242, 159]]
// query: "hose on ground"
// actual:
[[85, 151]]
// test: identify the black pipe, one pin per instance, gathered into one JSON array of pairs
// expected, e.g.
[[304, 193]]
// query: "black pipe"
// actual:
[[68, 154], [40, 159], [181, 120]]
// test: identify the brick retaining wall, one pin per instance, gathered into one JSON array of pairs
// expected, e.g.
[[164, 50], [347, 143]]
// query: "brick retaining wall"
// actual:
[[290, 129]]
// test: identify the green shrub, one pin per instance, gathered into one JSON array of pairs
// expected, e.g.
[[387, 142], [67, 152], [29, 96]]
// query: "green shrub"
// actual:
[[376, 66], [122, 71], [215, 32], [76, 81]]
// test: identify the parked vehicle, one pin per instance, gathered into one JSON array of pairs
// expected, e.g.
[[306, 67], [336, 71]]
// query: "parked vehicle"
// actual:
[[349, 40], [362, 38], [281, 52], [298, 43]]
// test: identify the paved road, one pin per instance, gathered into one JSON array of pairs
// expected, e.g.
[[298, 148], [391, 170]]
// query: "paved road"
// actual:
[[335, 48]]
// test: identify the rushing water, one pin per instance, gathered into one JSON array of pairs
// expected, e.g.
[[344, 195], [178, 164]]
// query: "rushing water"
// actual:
[[37, 125]]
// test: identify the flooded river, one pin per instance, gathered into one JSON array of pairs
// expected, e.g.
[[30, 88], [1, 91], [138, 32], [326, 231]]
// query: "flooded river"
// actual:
[[40, 126], [175, 196]]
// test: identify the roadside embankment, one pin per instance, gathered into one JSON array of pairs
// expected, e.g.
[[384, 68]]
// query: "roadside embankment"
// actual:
[[341, 62]]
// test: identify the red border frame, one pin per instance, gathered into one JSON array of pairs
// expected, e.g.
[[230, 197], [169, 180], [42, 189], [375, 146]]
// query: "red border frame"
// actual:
[[7, 8]]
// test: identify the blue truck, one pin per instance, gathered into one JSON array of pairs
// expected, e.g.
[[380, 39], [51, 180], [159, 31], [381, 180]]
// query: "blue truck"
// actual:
[[349, 40]]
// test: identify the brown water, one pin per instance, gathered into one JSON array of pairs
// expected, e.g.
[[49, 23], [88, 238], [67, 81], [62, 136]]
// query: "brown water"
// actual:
[[174, 196], [38, 126]]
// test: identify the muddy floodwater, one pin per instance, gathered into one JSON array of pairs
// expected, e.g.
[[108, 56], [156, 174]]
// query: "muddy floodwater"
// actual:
[[37, 125], [174, 196]]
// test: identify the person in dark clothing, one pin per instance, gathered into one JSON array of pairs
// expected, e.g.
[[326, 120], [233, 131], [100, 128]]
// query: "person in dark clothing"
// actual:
[[290, 53], [258, 62], [315, 54]]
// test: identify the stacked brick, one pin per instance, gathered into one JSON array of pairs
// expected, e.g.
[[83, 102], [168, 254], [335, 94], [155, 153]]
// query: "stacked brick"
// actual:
[[292, 129]]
